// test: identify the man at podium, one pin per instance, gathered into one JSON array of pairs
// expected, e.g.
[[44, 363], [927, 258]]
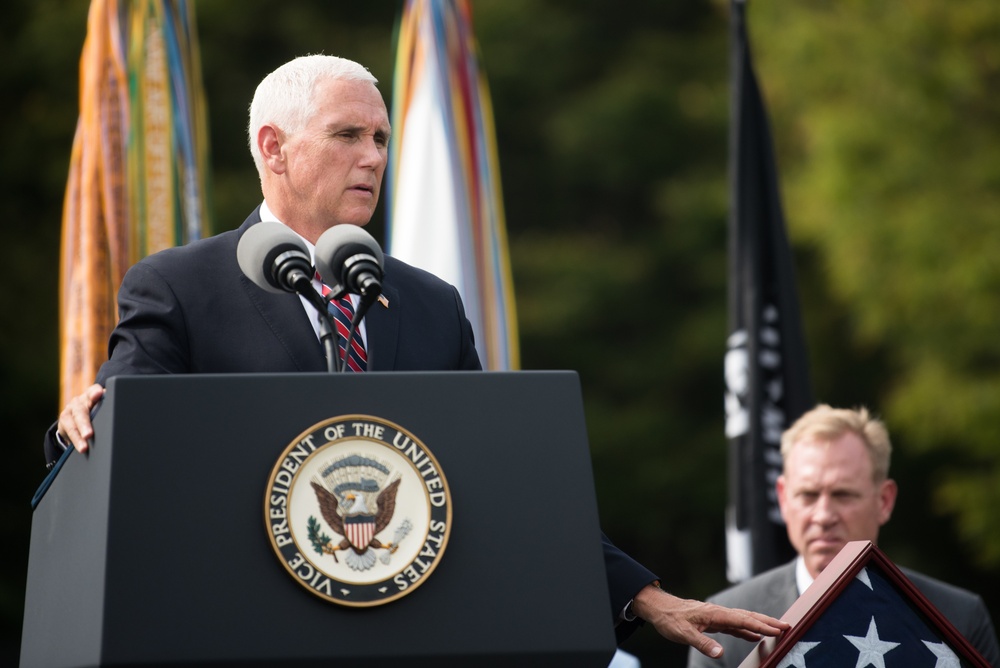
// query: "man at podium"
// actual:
[[319, 134]]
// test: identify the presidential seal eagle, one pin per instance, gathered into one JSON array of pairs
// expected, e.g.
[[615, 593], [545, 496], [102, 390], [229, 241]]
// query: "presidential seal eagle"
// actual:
[[346, 512]]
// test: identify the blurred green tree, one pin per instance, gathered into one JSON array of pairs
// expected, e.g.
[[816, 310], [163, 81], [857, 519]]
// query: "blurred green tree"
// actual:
[[887, 118]]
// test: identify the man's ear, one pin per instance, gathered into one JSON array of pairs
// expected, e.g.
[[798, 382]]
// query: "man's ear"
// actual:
[[269, 142], [779, 487], [887, 493]]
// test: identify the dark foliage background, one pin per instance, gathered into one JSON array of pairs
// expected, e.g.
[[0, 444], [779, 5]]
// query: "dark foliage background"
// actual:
[[611, 124]]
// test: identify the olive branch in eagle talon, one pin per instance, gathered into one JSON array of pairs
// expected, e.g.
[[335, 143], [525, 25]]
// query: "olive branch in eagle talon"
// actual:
[[318, 539], [354, 507]]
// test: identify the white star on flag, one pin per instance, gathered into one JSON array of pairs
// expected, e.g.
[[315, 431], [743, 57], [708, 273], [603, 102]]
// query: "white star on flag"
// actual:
[[871, 648], [863, 576], [946, 658], [796, 657]]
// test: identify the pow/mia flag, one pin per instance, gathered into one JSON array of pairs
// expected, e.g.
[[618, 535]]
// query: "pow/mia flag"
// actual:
[[766, 366], [863, 611]]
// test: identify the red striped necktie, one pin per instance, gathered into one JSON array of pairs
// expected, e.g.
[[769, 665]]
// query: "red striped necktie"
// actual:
[[343, 312]]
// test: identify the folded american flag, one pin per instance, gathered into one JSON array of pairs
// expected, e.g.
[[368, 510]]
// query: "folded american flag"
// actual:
[[862, 611]]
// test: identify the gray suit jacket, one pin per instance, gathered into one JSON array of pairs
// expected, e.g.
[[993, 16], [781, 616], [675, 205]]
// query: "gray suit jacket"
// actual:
[[773, 592]]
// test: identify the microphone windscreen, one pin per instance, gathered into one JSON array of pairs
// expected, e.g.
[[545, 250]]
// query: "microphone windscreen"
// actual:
[[260, 246], [339, 243]]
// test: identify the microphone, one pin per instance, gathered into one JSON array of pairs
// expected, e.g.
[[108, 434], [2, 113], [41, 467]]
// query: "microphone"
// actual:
[[350, 260], [275, 259]]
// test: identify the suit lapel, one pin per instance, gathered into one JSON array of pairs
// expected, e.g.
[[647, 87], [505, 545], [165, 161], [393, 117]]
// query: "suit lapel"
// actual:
[[285, 318], [288, 322], [785, 591], [382, 330]]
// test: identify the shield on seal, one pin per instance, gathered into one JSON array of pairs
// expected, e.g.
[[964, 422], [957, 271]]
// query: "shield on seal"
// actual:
[[359, 529]]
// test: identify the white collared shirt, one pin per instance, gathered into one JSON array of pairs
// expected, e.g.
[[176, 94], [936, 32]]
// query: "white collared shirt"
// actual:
[[802, 577]]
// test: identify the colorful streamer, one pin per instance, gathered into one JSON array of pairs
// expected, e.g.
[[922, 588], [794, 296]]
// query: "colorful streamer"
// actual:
[[137, 176], [444, 204]]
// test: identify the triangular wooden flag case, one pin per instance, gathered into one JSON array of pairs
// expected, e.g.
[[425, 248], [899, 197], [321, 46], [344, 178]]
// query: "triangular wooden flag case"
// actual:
[[862, 610]]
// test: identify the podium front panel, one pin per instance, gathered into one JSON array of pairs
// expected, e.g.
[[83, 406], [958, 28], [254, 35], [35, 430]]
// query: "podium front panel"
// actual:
[[153, 549]]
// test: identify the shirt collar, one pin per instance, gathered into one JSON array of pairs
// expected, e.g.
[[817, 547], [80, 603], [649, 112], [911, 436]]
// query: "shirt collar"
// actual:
[[802, 577], [266, 215]]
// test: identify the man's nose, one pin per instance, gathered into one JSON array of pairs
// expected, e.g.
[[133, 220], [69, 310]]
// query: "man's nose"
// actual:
[[373, 153], [825, 510]]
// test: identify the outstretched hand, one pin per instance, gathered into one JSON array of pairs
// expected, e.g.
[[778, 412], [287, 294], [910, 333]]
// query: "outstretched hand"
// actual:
[[687, 621], [74, 420]]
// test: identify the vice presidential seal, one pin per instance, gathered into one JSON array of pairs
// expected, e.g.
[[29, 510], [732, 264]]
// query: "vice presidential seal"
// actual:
[[358, 510]]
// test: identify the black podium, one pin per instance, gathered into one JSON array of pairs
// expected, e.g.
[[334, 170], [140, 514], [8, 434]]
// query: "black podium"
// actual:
[[152, 549]]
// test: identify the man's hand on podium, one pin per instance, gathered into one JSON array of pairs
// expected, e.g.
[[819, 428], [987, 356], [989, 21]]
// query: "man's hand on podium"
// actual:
[[687, 621], [75, 427]]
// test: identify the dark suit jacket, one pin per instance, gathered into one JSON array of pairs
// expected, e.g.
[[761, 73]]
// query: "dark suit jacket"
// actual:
[[190, 309], [774, 591]]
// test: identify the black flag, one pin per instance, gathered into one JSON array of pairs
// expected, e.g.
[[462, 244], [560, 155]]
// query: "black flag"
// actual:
[[766, 366]]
